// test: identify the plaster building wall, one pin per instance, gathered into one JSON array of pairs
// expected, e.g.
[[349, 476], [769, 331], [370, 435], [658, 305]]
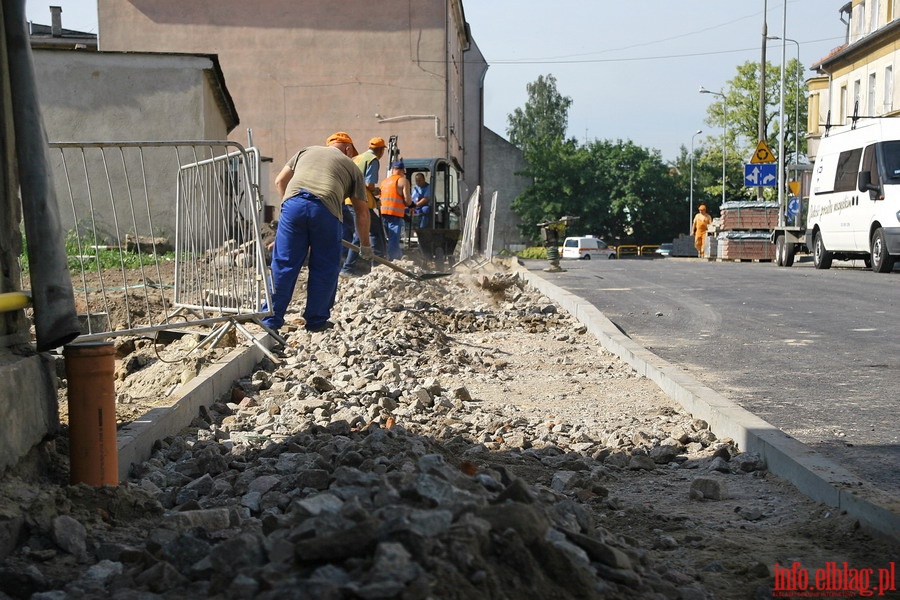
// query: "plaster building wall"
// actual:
[[301, 69], [473, 118], [502, 162], [472, 125], [115, 96], [862, 71], [94, 96]]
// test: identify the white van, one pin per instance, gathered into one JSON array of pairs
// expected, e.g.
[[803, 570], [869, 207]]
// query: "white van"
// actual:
[[587, 247], [854, 200]]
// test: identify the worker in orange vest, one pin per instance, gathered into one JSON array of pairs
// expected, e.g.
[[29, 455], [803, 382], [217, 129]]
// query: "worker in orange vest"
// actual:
[[395, 199], [699, 226]]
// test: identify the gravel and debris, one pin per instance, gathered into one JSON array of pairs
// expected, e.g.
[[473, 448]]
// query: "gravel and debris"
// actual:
[[457, 439]]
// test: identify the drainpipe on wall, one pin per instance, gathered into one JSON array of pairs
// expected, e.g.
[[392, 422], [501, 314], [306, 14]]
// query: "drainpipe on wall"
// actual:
[[447, 50], [481, 125]]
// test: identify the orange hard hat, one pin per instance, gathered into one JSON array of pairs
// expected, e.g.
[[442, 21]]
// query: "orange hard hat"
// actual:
[[340, 137], [701, 207]]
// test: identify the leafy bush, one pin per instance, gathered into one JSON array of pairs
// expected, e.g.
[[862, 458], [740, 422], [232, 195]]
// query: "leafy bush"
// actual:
[[534, 252]]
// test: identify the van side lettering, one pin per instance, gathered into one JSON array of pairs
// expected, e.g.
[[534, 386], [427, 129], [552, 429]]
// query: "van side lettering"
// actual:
[[830, 207]]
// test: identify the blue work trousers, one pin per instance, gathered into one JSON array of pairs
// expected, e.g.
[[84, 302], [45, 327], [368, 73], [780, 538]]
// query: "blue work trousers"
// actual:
[[376, 239], [349, 226], [393, 228], [306, 227], [421, 215]]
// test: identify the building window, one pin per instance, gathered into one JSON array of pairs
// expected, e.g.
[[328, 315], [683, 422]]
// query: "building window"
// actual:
[[895, 10], [888, 88], [857, 95], [812, 116], [843, 107], [860, 19], [873, 15], [870, 96]]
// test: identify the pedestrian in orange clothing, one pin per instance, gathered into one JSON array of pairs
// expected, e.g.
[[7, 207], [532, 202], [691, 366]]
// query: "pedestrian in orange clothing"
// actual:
[[699, 226]]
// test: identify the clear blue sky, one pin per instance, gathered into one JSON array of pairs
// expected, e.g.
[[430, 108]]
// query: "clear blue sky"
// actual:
[[632, 68]]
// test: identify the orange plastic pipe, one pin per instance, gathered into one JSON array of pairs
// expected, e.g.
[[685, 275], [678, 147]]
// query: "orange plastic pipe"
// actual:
[[93, 454]]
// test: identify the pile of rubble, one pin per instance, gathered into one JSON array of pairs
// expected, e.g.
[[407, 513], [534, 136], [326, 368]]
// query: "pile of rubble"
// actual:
[[363, 467]]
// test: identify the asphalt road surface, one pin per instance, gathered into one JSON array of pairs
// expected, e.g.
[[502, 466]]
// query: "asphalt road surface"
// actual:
[[814, 353]]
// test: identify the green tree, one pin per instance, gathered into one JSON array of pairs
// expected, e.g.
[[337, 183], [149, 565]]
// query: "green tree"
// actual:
[[618, 190], [636, 195], [543, 121], [740, 111], [539, 131]]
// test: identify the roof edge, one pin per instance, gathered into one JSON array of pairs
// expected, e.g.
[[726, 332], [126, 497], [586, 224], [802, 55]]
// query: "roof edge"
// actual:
[[888, 33]]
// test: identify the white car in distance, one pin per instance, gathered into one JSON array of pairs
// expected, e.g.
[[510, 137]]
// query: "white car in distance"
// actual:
[[587, 247]]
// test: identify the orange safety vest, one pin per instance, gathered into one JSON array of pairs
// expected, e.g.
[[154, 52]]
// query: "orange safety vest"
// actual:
[[701, 224], [392, 203]]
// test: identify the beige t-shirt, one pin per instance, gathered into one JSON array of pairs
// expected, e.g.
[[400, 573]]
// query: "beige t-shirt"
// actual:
[[329, 174]]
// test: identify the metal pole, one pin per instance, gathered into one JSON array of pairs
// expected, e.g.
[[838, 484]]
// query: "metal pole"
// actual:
[[762, 86], [703, 90], [691, 215], [780, 179], [724, 140], [797, 105]]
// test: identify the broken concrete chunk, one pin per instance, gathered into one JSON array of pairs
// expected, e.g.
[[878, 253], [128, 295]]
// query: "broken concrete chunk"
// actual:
[[707, 488]]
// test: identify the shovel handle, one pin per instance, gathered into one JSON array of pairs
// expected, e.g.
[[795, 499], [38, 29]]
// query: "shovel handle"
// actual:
[[383, 261]]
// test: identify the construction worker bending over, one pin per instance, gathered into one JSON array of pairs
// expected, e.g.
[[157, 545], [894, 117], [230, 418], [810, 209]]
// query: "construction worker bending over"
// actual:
[[313, 185]]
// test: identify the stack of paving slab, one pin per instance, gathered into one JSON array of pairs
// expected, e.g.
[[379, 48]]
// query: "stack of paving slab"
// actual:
[[683, 245], [744, 231]]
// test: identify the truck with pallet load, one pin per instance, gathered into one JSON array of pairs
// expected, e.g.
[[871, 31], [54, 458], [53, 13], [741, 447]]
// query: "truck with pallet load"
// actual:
[[789, 236], [849, 203]]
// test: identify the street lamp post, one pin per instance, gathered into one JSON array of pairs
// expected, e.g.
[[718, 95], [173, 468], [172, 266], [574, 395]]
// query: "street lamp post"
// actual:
[[703, 90], [797, 104], [691, 216]]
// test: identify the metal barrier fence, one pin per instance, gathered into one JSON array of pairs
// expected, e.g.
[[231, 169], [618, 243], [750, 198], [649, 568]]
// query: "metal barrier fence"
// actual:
[[470, 226], [626, 250], [635, 250], [162, 235], [492, 219]]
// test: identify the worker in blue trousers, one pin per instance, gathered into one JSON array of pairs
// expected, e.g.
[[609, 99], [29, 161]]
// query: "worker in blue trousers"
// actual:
[[313, 185]]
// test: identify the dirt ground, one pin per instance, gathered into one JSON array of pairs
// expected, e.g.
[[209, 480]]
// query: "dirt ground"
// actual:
[[731, 545]]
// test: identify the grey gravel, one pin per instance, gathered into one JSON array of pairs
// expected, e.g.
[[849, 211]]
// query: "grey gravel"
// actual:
[[363, 466]]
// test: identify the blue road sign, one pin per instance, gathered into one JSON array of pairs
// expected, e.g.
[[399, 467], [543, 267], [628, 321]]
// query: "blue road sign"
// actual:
[[760, 175], [793, 206]]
